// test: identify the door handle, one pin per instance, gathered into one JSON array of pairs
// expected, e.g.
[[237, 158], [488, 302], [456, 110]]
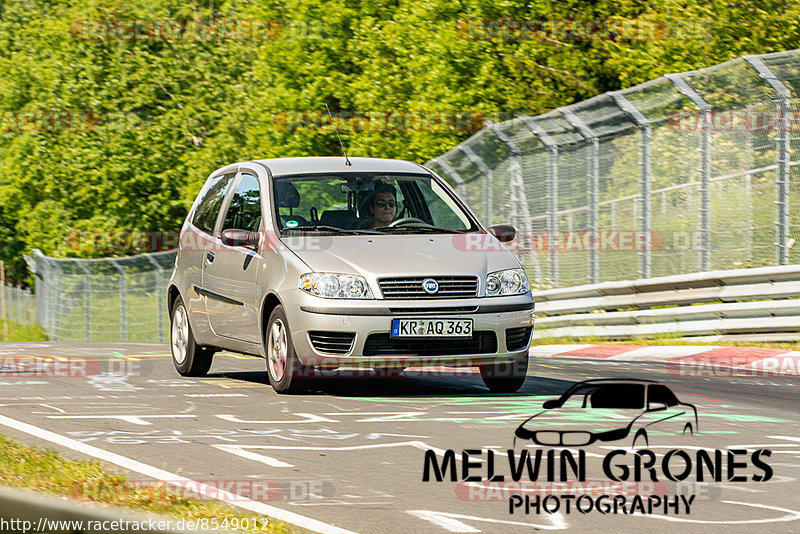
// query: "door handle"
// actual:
[[210, 257]]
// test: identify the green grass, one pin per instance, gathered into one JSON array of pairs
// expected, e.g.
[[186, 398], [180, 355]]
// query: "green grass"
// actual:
[[43, 470], [20, 332]]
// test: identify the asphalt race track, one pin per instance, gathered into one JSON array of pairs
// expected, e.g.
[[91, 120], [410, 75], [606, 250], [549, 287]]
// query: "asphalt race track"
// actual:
[[350, 455]]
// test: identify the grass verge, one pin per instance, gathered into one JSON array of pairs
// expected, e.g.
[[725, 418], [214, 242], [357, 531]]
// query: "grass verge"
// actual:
[[22, 332], [43, 470]]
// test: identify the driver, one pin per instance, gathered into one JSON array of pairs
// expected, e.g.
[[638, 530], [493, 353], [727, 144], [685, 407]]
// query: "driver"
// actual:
[[383, 206]]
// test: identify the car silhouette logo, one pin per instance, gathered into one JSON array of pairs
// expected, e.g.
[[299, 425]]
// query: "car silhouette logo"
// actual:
[[430, 286], [609, 410]]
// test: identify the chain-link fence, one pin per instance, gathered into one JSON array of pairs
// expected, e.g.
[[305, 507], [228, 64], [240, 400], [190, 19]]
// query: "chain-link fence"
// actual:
[[689, 172], [109, 299], [18, 305]]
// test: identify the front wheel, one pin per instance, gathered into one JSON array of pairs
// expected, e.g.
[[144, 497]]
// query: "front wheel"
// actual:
[[505, 377], [286, 373], [188, 357]]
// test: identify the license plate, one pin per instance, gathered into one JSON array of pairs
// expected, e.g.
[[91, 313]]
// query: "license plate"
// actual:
[[431, 328]]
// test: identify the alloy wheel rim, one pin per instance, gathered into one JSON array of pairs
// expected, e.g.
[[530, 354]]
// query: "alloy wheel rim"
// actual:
[[277, 349], [180, 335]]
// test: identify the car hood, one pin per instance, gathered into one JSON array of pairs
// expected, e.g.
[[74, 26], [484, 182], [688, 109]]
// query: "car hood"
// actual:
[[581, 419], [397, 255]]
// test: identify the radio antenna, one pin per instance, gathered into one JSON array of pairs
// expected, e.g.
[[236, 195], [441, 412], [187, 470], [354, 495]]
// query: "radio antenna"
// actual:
[[346, 159]]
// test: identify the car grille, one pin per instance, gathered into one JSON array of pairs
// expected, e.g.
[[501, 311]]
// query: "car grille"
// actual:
[[332, 342], [411, 287], [384, 345], [518, 338]]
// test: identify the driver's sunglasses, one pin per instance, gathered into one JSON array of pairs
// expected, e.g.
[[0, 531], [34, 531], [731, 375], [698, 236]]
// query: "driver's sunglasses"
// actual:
[[384, 203]]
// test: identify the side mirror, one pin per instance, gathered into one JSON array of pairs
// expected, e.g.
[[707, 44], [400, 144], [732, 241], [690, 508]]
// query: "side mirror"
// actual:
[[656, 406], [503, 232], [549, 405], [240, 238]]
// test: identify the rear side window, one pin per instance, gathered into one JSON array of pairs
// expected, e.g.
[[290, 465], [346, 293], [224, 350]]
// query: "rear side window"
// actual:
[[206, 214]]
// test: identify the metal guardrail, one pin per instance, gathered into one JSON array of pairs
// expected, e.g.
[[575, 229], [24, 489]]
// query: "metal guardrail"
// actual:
[[762, 300]]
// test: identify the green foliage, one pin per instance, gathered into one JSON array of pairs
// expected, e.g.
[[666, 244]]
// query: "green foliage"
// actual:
[[167, 113], [20, 332]]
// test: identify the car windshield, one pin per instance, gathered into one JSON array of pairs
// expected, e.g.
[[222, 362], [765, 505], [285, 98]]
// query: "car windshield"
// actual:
[[615, 396], [353, 203]]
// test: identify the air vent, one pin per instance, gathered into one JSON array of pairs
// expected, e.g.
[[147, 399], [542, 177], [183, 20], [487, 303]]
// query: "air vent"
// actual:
[[332, 342], [384, 345]]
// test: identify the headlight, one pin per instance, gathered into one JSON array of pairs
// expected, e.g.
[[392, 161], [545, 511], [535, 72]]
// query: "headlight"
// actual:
[[335, 286], [509, 282]]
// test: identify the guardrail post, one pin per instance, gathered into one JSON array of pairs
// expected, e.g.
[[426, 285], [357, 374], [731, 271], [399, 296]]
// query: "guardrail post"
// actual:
[[87, 291], [158, 292], [644, 162], [520, 198], [783, 141], [452, 173], [123, 299], [704, 169], [593, 164], [552, 193], [748, 205], [487, 179]]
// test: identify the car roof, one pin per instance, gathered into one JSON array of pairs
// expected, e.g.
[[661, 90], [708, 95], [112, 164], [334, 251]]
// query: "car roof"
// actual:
[[333, 164]]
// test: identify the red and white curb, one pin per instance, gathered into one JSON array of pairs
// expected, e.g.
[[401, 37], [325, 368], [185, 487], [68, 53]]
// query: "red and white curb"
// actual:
[[687, 360]]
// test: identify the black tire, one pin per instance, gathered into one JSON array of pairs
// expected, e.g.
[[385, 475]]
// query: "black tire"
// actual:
[[290, 376], [189, 358], [505, 377]]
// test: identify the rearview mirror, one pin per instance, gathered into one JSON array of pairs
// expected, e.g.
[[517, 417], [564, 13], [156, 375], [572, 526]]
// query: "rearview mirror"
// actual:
[[240, 238], [549, 405], [503, 232]]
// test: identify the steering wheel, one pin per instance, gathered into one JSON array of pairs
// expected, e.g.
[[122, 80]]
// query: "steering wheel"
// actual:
[[406, 220]]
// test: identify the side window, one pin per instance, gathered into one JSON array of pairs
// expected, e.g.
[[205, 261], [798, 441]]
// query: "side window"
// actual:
[[244, 212], [661, 394], [206, 214], [444, 211]]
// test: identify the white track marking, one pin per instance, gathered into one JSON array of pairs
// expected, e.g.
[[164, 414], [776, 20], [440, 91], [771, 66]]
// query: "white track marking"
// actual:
[[660, 353], [451, 522], [166, 476], [307, 418], [791, 515], [238, 450], [552, 350], [134, 419]]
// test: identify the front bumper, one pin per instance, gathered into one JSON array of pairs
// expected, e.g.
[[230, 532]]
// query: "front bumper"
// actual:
[[364, 318]]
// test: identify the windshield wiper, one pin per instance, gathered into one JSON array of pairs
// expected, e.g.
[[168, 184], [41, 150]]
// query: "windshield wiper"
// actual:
[[325, 228], [426, 228]]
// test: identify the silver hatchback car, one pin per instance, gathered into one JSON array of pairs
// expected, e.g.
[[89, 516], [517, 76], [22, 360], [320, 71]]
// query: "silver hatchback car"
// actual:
[[324, 263]]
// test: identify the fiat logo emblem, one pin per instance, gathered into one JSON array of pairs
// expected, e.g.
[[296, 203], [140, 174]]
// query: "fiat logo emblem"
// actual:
[[430, 286]]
